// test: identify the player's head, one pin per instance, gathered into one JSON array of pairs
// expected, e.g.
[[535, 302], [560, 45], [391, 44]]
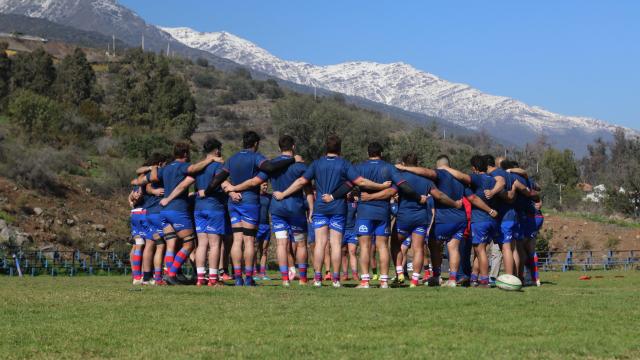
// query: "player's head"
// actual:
[[250, 140], [374, 150], [286, 143], [499, 160], [334, 144], [490, 160], [410, 159], [442, 160], [212, 146], [507, 164], [478, 163], [182, 151], [156, 159], [264, 187]]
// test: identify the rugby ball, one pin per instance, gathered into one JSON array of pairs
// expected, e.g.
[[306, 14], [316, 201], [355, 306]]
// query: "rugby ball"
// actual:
[[508, 282]]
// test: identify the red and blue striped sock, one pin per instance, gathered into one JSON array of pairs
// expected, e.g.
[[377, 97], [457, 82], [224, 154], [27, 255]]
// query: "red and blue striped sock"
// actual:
[[302, 269], [248, 271], [136, 264], [317, 276], [263, 271], [484, 280], [474, 277], [336, 276], [284, 272], [436, 272], [178, 260], [168, 259], [237, 272], [157, 274], [536, 274], [453, 275]]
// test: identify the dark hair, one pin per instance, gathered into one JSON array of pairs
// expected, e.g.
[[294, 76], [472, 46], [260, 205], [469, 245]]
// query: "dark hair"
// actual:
[[250, 139], [506, 164], [374, 149], [479, 163], [286, 143], [490, 160], [334, 144], [156, 158], [211, 144], [410, 159], [181, 150]]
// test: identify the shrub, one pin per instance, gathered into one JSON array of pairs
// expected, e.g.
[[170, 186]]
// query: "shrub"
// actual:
[[202, 62], [206, 80], [38, 116]]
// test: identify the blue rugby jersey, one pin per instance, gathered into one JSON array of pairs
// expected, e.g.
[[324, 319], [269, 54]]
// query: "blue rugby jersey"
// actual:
[[454, 189], [329, 172], [480, 183], [216, 202], [378, 171], [411, 210], [505, 210], [242, 166], [293, 205], [172, 175]]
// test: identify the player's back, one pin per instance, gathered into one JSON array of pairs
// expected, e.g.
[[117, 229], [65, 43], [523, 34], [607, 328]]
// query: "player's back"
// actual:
[[265, 204], [505, 209], [329, 173], [280, 181], [172, 175], [422, 186], [480, 183], [522, 204], [242, 166], [218, 200], [454, 189], [378, 171]]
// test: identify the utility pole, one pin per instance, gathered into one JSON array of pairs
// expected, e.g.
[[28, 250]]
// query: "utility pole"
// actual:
[[142, 42], [168, 48], [315, 93], [113, 36], [560, 187], [444, 134]]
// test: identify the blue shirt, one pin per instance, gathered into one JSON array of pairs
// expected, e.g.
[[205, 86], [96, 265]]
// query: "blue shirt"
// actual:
[[377, 171], [216, 202], [453, 189], [150, 201], [172, 175], [329, 172], [265, 202], [350, 221], [523, 205], [242, 166], [506, 211], [480, 183], [280, 181], [410, 210]]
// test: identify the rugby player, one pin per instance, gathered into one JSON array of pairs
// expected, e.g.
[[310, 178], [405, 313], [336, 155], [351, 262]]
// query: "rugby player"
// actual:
[[484, 227], [450, 222], [329, 172], [264, 231]]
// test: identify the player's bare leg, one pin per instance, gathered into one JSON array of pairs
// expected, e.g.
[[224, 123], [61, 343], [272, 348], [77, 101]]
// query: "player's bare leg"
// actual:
[[382, 245]]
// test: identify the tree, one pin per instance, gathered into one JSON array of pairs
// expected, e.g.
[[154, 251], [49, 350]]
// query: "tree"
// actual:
[[5, 70], [34, 71], [75, 80], [38, 116]]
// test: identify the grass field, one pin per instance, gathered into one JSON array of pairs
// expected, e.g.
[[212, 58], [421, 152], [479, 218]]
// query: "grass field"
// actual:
[[101, 317]]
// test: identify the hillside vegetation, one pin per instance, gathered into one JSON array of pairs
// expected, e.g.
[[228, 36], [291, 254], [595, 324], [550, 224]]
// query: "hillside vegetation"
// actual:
[[73, 129]]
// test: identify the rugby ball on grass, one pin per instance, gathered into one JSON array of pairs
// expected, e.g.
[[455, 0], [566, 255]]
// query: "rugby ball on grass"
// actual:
[[508, 282]]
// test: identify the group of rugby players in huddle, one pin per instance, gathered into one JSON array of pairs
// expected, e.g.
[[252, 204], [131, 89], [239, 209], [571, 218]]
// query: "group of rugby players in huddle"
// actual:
[[333, 206]]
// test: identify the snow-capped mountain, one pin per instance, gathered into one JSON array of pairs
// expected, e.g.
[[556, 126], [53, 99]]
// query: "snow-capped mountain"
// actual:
[[109, 18], [408, 88]]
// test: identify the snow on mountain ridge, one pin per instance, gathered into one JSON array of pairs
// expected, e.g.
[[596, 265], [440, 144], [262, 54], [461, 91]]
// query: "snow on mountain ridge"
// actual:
[[396, 84]]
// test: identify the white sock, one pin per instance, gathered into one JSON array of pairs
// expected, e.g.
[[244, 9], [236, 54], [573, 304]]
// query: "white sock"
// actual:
[[365, 277], [200, 270], [415, 276], [292, 269], [384, 277], [213, 271], [399, 270]]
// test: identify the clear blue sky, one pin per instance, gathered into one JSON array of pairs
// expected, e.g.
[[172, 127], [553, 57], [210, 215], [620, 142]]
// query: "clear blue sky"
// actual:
[[575, 57]]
